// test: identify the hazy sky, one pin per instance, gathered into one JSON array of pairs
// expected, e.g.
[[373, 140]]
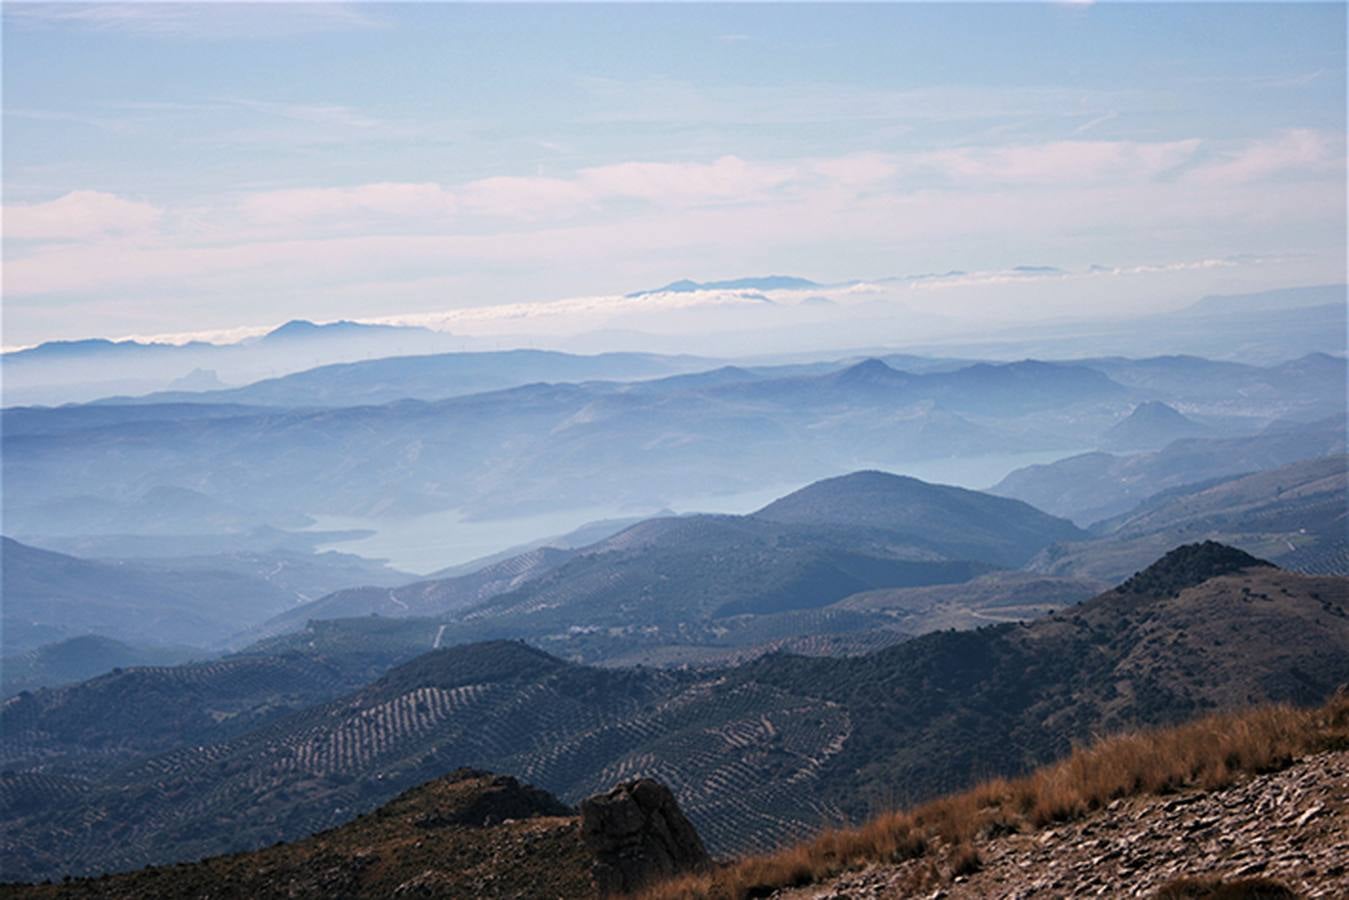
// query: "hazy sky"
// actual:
[[175, 168]]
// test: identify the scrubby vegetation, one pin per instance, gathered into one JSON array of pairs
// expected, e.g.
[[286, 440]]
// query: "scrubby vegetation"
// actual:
[[1187, 566], [1208, 753]]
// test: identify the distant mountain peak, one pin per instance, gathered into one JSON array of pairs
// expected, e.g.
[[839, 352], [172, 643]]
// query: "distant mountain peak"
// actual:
[[871, 371], [1189, 565], [1156, 409], [303, 329], [753, 283], [1151, 424]]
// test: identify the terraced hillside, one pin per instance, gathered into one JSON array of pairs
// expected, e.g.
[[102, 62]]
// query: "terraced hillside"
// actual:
[[756, 754], [736, 753], [109, 721]]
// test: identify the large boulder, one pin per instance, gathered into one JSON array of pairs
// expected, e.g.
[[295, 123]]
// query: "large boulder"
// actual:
[[638, 835]]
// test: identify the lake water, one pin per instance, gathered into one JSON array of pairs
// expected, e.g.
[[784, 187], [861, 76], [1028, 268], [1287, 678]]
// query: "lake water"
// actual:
[[423, 544]]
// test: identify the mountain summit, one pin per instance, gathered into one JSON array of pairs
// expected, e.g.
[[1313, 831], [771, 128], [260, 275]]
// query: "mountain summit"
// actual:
[[1007, 532], [1190, 565], [1151, 425]]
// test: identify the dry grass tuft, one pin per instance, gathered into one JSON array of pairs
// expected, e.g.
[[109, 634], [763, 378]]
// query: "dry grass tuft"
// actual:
[[1207, 753]]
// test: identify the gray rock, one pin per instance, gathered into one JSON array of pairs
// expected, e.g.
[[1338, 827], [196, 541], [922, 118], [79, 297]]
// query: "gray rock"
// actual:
[[638, 834]]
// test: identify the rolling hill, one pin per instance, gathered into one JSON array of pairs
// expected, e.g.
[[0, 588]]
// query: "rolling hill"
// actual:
[[680, 580], [955, 522], [756, 754]]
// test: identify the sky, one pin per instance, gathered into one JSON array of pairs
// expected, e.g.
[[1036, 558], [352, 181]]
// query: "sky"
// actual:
[[212, 169]]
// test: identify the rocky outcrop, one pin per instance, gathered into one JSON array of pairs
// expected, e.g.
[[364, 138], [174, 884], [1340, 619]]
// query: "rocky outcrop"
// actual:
[[638, 834]]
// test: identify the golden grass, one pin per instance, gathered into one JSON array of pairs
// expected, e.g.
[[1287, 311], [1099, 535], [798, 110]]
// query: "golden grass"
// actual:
[[1207, 753]]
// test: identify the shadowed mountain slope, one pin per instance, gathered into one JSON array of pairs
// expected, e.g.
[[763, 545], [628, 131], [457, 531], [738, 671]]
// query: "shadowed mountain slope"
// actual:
[[1294, 515], [81, 658], [1094, 486], [49, 596]]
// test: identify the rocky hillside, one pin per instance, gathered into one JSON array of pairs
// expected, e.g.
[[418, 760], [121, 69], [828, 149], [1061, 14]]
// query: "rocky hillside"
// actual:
[[1285, 832]]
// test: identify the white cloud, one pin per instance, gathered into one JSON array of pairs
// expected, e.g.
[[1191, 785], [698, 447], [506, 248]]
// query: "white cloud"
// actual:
[[1296, 151], [1063, 161], [79, 214], [526, 197], [857, 170], [1065, 201], [726, 179], [380, 199]]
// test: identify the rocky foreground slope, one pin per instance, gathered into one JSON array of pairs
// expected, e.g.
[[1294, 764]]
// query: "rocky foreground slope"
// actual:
[[1288, 828], [1251, 805]]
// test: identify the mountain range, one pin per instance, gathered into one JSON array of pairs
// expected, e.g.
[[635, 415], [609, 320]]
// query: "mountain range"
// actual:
[[83, 370], [545, 446]]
